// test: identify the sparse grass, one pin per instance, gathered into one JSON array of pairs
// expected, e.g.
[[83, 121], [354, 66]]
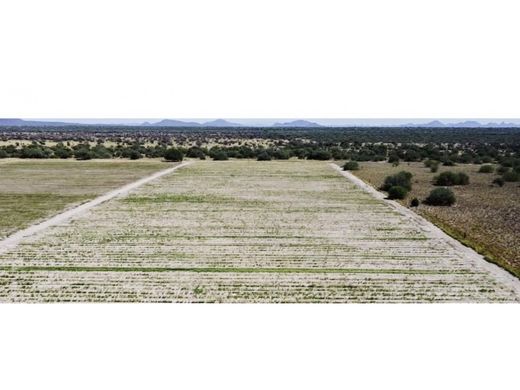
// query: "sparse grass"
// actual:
[[243, 231], [485, 217], [32, 190]]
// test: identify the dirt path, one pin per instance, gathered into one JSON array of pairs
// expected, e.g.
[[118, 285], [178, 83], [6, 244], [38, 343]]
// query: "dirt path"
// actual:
[[469, 254], [13, 240]]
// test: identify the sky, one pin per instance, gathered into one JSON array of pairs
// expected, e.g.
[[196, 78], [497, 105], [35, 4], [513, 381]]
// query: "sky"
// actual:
[[270, 121]]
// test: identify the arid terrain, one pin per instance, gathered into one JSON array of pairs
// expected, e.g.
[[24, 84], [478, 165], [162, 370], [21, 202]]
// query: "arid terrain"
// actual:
[[485, 216], [248, 231]]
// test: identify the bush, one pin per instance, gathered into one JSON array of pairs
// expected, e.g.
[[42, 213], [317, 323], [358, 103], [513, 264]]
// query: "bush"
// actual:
[[451, 179], [196, 152], [502, 169], [441, 197], [173, 154], [220, 156], [486, 169], [499, 182], [280, 154], [83, 154], [401, 179], [414, 202], [319, 154], [264, 156], [351, 166], [397, 192], [511, 176], [393, 159], [448, 163]]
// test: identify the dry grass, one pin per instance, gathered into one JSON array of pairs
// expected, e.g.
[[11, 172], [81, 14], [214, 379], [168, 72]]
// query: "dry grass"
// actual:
[[485, 217], [245, 231], [31, 190]]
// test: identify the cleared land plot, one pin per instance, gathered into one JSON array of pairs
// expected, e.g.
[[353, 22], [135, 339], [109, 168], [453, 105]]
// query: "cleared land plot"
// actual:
[[245, 231], [485, 217], [32, 190]]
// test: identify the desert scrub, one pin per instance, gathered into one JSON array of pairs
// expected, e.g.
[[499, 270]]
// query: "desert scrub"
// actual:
[[351, 166], [440, 197], [486, 216], [487, 168], [451, 179]]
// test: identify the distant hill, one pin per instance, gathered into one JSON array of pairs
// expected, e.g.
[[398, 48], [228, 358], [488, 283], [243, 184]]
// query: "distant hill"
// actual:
[[21, 122], [297, 123], [221, 123], [172, 123], [461, 124], [178, 123]]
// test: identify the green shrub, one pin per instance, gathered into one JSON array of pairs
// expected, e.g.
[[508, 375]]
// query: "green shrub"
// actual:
[[441, 197], [486, 169], [264, 156], [499, 182], [173, 154], [196, 152], [220, 156], [351, 166], [397, 192], [281, 154], [449, 178], [319, 154], [414, 202], [401, 179], [511, 176], [502, 169]]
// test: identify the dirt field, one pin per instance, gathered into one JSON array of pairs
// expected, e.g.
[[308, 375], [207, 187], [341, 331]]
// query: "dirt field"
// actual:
[[32, 190], [247, 231], [485, 217]]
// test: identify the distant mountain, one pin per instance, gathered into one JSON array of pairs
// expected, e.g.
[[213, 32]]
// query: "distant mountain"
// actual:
[[221, 123], [461, 124], [21, 122], [172, 123], [297, 123]]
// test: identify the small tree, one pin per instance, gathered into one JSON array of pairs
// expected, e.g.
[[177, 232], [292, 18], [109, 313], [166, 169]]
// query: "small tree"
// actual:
[[511, 176], [173, 154], [441, 197], [449, 178], [220, 156], [499, 182], [402, 179], [264, 156], [487, 168], [351, 166], [397, 192]]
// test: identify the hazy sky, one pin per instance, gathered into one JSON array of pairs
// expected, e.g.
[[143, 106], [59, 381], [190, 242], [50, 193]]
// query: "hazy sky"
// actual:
[[270, 121]]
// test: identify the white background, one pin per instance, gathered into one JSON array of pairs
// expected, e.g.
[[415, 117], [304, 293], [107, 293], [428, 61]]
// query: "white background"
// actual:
[[117, 59]]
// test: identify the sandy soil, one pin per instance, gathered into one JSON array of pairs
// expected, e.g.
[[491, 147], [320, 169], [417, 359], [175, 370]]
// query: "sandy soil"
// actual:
[[469, 254], [13, 240]]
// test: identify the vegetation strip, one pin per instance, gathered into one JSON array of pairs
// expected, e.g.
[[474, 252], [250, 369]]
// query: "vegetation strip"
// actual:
[[234, 270]]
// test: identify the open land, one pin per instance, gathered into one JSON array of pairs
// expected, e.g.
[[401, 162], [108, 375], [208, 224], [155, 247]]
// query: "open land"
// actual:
[[485, 217], [33, 190], [247, 231]]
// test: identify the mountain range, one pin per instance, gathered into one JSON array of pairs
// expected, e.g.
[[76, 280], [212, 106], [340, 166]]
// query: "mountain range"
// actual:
[[224, 123]]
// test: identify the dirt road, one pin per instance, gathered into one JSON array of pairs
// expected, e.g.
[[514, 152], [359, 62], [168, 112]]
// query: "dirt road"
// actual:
[[13, 240]]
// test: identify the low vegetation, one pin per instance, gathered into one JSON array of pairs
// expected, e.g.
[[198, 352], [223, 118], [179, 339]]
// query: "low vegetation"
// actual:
[[486, 215], [243, 231], [440, 197], [31, 190], [449, 178]]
